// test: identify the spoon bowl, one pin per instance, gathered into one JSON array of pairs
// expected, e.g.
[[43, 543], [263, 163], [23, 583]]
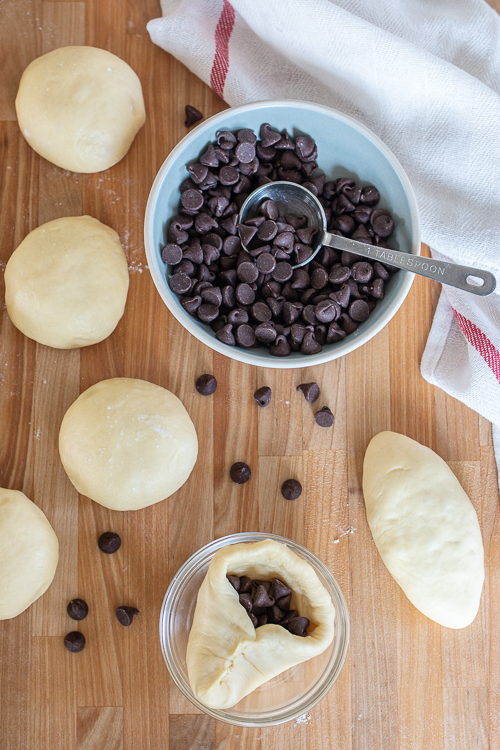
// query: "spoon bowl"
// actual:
[[295, 200]]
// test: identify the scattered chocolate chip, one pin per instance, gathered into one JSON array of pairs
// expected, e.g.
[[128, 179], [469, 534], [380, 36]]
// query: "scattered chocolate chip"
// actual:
[[324, 417], [206, 385], [192, 115], [125, 615], [291, 489], [77, 609], [75, 642], [310, 391], [109, 542], [263, 395], [240, 472]]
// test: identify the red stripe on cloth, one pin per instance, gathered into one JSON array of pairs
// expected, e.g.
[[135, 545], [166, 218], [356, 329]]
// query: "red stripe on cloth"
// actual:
[[220, 65], [480, 342]]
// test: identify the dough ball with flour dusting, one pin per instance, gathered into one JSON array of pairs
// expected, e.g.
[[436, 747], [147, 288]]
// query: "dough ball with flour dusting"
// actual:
[[66, 284], [127, 443], [80, 108], [425, 528], [29, 551]]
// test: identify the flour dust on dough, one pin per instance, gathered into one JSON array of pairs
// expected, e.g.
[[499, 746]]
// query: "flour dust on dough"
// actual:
[[80, 108], [127, 443], [66, 284], [29, 551], [425, 528], [227, 658]]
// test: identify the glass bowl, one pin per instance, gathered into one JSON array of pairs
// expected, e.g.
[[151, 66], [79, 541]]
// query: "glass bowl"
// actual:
[[287, 696]]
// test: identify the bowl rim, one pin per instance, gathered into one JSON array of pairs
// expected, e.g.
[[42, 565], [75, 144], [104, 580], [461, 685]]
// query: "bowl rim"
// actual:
[[341, 615], [343, 347]]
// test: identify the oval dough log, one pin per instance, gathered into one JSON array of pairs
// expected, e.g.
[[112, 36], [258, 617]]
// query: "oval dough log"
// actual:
[[29, 552], [80, 108], [127, 443], [227, 658], [425, 528], [66, 284]]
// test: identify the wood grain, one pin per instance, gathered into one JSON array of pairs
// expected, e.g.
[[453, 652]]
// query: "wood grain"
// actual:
[[407, 683]]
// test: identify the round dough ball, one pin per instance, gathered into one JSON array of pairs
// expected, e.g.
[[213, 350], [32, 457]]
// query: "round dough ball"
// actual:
[[127, 443], [29, 552], [80, 108], [66, 284]]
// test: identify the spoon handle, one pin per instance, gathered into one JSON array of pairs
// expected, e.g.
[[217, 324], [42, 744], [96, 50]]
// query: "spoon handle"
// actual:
[[469, 279]]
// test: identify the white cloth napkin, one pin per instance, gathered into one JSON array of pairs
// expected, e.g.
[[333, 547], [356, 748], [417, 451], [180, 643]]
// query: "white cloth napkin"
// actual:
[[425, 77]]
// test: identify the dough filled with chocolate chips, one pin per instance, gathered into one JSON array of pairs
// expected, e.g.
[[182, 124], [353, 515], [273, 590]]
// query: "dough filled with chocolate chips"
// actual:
[[227, 657]]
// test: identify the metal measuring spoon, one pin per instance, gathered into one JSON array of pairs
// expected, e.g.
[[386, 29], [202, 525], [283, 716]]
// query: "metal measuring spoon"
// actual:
[[296, 200]]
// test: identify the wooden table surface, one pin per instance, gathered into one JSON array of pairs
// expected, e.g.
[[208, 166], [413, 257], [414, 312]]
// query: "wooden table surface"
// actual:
[[407, 682]]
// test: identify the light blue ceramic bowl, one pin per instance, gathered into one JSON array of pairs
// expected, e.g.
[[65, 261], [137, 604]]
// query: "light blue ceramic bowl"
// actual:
[[345, 148]]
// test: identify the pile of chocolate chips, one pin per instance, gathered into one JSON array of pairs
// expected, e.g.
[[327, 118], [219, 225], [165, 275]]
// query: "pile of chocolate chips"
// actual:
[[269, 603], [245, 301]]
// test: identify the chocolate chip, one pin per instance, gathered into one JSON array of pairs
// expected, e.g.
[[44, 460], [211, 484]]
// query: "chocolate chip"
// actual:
[[382, 222], [291, 489], [362, 272], [275, 615], [359, 310], [246, 602], [327, 310], [261, 312], [245, 152], [267, 230], [192, 115], [298, 626], [77, 609], [192, 200], [347, 324], [261, 598], [225, 335], [281, 347], [206, 385], [207, 312], [171, 254], [237, 317], [263, 395], [284, 602], [125, 615], [228, 175], [234, 581], [266, 333], [180, 283], [254, 620], [245, 336], [369, 195], [340, 274], [245, 294], [265, 263], [309, 344], [282, 272], [245, 585], [109, 542], [75, 642], [280, 589], [268, 136], [324, 417], [310, 390], [288, 617], [247, 272], [240, 472]]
